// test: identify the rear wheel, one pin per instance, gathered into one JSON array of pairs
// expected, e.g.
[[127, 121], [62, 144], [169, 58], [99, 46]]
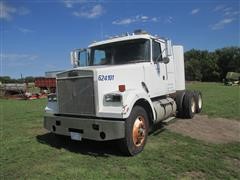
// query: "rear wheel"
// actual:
[[136, 131], [199, 102], [179, 102], [189, 104]]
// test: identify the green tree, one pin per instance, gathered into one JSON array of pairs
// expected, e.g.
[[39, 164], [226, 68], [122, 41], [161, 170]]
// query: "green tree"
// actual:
[[193, 70], [29, 79], [228, 60], [211, 66]]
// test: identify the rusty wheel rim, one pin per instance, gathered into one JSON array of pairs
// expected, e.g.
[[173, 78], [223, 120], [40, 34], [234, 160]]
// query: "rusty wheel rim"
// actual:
[[139, 131]]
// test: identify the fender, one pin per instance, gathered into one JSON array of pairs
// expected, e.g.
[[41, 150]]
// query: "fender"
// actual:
[[131, 97]]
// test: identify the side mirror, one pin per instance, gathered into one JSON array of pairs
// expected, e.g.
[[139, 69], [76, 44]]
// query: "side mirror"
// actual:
[[165, 60], [74, 58]]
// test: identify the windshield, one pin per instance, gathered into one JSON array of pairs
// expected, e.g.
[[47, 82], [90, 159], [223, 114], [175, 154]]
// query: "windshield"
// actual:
[[131, 51]]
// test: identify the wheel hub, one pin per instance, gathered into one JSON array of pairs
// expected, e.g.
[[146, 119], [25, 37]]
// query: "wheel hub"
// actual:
[[139, 131], [193, 105], [200, 102]]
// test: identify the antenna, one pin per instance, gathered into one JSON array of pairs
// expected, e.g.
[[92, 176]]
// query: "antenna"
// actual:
[[101, 30]]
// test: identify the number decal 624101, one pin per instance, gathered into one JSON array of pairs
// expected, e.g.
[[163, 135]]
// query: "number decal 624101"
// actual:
[[105, 77]]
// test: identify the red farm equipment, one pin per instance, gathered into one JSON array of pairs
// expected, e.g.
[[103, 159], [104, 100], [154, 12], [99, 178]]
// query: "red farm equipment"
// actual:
[[46, 84]]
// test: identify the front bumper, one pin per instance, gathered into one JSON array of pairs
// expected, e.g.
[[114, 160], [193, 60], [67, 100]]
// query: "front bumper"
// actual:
[[94, 129]]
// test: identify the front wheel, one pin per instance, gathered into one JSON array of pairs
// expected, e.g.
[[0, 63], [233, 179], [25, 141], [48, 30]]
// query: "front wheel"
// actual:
[[136, 131]]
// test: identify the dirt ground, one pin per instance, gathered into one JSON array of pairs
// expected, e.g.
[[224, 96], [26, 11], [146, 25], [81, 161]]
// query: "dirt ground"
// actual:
[[212, 130]]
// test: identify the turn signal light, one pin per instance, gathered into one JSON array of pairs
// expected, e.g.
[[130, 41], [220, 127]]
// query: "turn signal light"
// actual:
[[121, 88]]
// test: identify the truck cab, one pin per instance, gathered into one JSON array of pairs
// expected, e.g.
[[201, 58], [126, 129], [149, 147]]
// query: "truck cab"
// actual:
[[119, 88]]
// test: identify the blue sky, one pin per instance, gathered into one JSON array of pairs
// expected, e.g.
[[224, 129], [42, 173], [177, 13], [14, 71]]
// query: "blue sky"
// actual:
[[37, 36]]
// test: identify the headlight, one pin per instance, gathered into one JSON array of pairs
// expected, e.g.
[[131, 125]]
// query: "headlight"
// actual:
[[52, 97], [113, 98]]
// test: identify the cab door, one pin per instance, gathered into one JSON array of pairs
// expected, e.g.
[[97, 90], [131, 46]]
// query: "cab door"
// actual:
[[155, 71]]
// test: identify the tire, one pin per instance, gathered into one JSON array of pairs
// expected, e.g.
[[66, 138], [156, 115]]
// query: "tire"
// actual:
[[59, 138], [136, 132], [179, 102], [198, 100], [189, 105]]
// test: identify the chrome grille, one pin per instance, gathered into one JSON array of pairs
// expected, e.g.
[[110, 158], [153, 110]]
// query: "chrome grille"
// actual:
[[76, 95]]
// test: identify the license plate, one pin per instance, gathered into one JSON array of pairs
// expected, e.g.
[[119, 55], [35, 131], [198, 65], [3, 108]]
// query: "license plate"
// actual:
[[76, 136]]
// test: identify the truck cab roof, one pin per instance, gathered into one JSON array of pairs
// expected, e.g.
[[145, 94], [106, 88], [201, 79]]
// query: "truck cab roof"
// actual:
[[125, 38]]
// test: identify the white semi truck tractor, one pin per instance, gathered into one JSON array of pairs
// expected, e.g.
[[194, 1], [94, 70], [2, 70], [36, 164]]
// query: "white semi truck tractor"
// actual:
[[119, 88]]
